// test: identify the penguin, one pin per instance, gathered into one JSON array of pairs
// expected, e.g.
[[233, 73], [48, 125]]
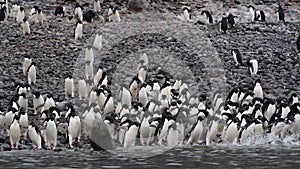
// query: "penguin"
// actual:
[[59, 11], [49, 102], [231, 132], [131, 135], [142, 74], [89, 54], [35, 136], [23, 122], [40, 17], [88, 16], [109, 105], [231, 21], [97, 7], [143, 96], [23, 101], [257, 90], [144, 130], [82, 89], [34, 10], [15, 9], [32, 74], [237, 57], [88, 120], [298, 43], [270, 109], [293, 99], [133, 87], [126, 97], [9, 117], [186, 13], [38, 102], [3, 14], [74, 126], [78, 30], [20, 15], [69, 87], [224, 24], [25, 26], [78, 11], [51, 132], [280, 14], [209, 18], [26, 63], [55, 112], [89, 70], [110, 123], [15, 132], [98, 42], [172, 136], [113, 15], [93, 97], [212, 132], [252, 66], [1, 120], [195, 132], [257, 15]]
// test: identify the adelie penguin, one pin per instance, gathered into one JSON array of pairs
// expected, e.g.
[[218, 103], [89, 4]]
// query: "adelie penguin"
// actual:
[[280, 14], [38, 102], [3, 14], [237, 57], [26, 63], [224, 24], [74, 126], [69, 87], [186, 13], [209, 18], [98, 42], [257, 15], [21, 15], [59, 11], [15, 132], [35, 136], [231, 21], [97, 6], [78, 30], [113, 15], [252, 66], [51, 132], [25, 26], [31, 74], [78, 11]]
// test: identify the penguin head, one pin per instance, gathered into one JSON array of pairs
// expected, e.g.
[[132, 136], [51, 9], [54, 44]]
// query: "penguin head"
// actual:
[[23, 95], [78, 22], [257, 81], [251, 7], [22, 111], [200, 118], [21, 9], [39, 11], [32, 124], [16, 117]]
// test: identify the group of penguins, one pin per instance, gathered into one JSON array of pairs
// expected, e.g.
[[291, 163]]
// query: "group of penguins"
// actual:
[[18, 14], [154, 109]]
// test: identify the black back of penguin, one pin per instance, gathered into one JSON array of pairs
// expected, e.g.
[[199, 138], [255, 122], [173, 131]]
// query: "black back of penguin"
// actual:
[[298, 43], [224, 24]]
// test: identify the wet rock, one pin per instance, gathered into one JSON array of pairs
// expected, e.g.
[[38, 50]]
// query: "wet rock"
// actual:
[[100, 137], [137, 5]]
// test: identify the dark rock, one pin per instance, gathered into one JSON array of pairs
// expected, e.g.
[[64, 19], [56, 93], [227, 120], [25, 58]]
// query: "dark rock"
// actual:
[[137, 5], [100, 137]]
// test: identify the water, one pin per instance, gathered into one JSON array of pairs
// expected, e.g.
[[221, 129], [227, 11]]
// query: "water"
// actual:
[[220, 156]]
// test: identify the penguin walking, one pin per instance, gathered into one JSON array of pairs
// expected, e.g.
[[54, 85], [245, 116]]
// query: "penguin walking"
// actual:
[[20, 15], [97, 7], [69, 87], [74, 127], [224, 24], [173, 135], [32, 73], [35, 136], [252, 66], [280, 14], [59, 11], [51, 132], [131, 134], [257, 90], [15, 132], [38, 102], [25, 26], [113, 15], [195, 132], [231, 21], [144, 130], [209, 18], [78, 30], [237, 57], [82, 89], [98, 42]]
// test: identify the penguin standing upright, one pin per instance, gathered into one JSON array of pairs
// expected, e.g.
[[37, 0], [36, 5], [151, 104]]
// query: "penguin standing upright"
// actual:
[[209, 18], [35, 136], [25, 26], [69, 87], [98, 42], [15, 132], [131, 134], [74, 127], [78, 12], [82, 89], [252, 66], [186, 13], [78, 30], [257, 90], [113, 15], [32, 74], [97, 6], [40, 17], [51, 132], [26, 63], [20, 15], [224, 24], [195, 132], [257, 15], [38, 102], [14, 11], [237, 57], [23, 122], [280, 14], [3, 14]]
